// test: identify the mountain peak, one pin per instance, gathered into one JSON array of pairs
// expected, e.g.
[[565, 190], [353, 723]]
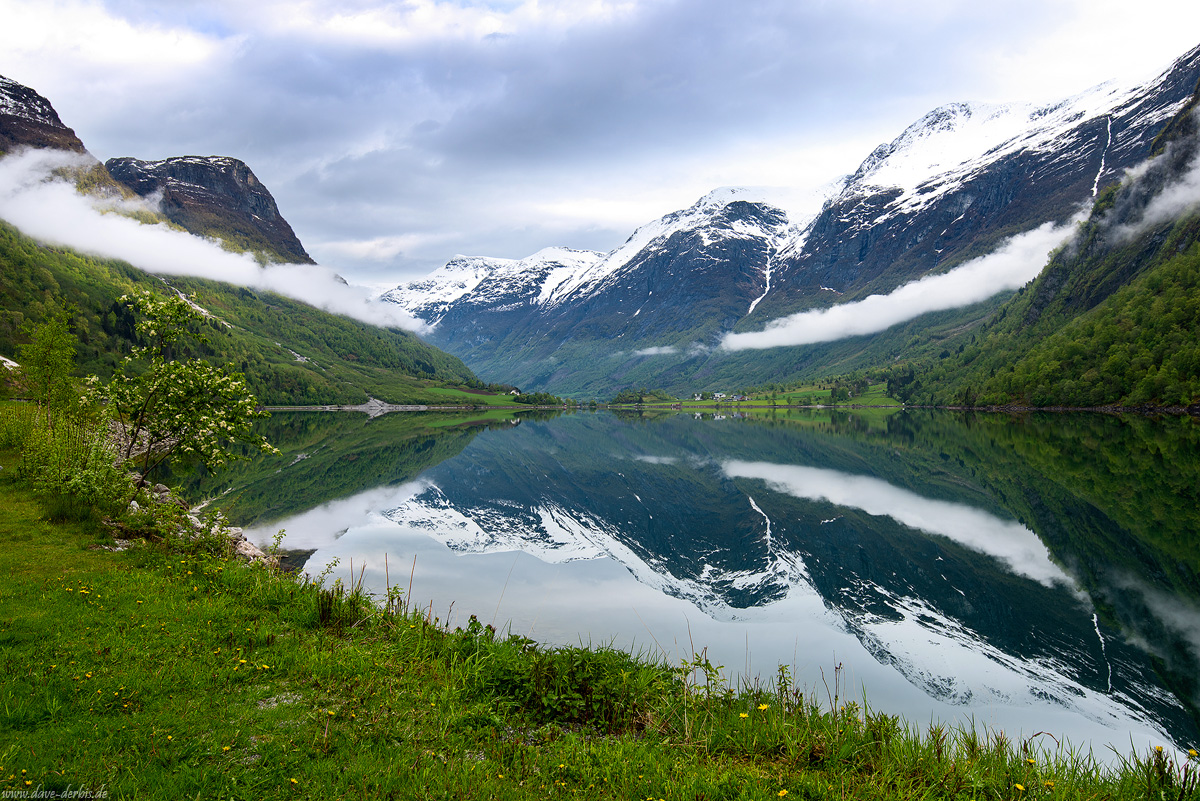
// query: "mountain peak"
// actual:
[[27, 118], [214, 196]]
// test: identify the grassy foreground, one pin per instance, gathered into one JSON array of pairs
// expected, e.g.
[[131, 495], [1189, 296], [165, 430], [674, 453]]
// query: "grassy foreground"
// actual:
[[170, 672]]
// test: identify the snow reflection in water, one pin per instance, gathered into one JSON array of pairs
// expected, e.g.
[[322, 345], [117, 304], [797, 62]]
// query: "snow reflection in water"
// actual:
[[669, 545]]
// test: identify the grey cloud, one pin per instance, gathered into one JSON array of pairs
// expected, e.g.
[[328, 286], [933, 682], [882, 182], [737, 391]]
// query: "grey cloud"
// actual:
[[423, 138]]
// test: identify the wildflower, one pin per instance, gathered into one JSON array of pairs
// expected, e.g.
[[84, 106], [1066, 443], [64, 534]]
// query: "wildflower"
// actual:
[[1049, 785], [330, 713], [763, 707], [743, 714], [1191, 751], [169, 738], [1158, 749], [1019, 787], [226, 748], [293, 781], [1031, 761], [782, 793]]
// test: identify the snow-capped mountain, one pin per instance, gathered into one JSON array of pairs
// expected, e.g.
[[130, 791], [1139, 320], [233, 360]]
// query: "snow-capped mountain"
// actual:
[[965, 176], [952, 186], [489, 284], [559, 277]]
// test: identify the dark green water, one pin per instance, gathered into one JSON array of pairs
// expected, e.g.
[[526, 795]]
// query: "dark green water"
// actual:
[[1028, 573]]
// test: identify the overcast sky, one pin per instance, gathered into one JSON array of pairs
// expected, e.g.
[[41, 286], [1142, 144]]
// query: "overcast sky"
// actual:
[[395, 135]]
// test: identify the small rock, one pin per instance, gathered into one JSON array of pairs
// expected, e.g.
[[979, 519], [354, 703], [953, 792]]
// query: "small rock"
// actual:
[[252, 553], [235, 533], [133, 506]]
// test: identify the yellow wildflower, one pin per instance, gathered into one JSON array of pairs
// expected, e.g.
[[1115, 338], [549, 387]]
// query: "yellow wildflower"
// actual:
[[763, 707]]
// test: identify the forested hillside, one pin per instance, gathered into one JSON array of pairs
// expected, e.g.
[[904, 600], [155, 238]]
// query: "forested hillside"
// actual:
[[290, 352]]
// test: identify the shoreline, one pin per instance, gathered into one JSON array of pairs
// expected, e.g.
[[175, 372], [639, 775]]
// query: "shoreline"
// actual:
[[376, 408]]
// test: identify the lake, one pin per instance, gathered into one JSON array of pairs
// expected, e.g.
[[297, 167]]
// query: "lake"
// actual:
[[1034, 573]]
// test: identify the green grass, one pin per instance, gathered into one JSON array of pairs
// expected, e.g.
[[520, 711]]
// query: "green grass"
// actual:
[[460, 397], [165, 672]]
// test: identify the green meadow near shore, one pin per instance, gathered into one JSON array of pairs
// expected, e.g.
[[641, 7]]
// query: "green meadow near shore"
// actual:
[[170, 670]]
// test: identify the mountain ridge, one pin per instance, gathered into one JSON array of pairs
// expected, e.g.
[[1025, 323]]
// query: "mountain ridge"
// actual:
[[901, 216]]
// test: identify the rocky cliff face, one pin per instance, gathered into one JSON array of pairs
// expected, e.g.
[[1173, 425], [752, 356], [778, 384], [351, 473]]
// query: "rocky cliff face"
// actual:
[[214, 196], [28, 119]]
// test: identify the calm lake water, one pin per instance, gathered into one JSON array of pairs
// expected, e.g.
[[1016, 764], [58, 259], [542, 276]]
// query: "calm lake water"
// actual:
[[1031, 574]]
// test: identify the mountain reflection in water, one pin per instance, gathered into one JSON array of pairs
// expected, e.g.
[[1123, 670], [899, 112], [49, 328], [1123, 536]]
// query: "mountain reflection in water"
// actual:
[[1028, 574]]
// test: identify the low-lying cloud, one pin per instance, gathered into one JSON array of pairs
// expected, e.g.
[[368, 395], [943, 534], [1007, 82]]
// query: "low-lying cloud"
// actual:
[[47, 207], [1018, 261], [666, 350], [1174, 199]]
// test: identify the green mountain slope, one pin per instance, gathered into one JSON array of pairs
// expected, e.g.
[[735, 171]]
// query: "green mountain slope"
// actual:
[[290, 352]]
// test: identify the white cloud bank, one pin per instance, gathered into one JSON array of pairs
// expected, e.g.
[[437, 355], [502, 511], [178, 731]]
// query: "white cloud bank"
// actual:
[[1178, 197], [48, 208], [1018, 261]]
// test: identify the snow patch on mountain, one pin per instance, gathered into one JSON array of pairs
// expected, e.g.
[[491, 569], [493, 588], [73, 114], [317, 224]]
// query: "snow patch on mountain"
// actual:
[[936, 155], [18, 100]]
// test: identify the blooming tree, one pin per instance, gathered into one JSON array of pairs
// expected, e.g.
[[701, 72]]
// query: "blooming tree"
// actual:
[[172, 408]]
